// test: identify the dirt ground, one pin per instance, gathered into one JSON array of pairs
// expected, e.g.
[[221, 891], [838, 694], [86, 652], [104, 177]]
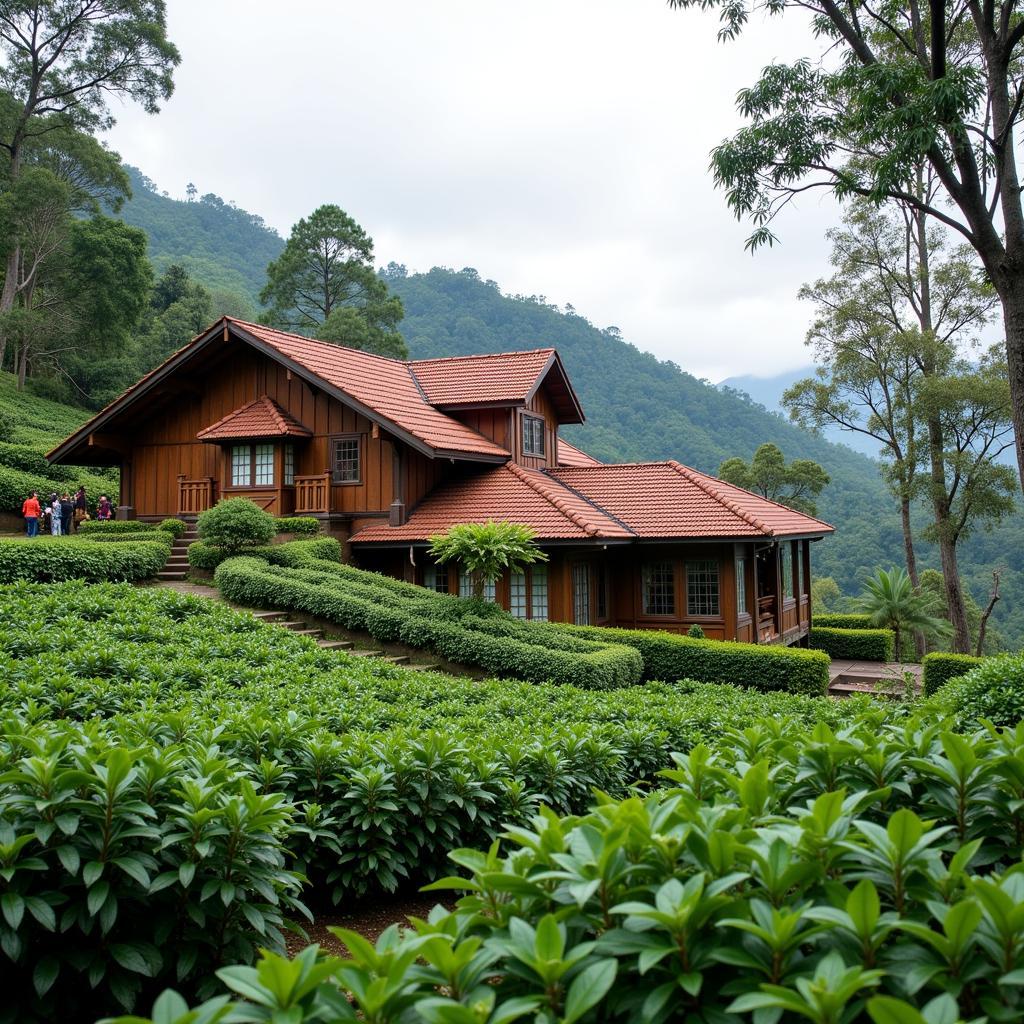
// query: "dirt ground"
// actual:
[[368, 919]]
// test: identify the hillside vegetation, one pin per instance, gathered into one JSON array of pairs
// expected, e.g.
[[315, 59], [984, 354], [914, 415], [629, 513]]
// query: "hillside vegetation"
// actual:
[[29, 427]]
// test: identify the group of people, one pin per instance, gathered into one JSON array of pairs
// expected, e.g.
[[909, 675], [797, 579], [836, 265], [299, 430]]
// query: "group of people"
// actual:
[[60, 514]]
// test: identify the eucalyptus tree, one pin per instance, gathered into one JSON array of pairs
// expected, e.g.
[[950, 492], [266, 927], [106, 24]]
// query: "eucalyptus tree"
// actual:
[[893, 87], [796, 484]]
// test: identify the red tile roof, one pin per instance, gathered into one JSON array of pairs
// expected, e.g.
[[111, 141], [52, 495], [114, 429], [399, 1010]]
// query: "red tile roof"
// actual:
[[666, 499], [261, 418], [570, 455], [384, 387], [493, 378], [510, 493]]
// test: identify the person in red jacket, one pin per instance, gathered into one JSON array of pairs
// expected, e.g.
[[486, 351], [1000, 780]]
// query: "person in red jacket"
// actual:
[[31, 512]]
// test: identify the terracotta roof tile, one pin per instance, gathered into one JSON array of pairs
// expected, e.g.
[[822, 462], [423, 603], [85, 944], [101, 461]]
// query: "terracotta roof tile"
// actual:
[[261, 418], [666, 499], [570, 455], [468, 380], [506, 493], [385, 386]]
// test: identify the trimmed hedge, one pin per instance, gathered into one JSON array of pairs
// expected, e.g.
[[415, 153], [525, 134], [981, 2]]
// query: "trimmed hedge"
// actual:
[[669, 656], [991, 691], [459, 630], [175, 527], [208, 556], [47, 560], [113, 526], [155, 536], [837, 620], [939, 668], [855, 644], [307, 526]]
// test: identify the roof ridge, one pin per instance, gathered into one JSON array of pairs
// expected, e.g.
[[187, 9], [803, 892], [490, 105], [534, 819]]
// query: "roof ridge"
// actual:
[[484, 355], [571, 514], [312, 341], [418, 385], [590, 501], [695, 478], [275, 411]]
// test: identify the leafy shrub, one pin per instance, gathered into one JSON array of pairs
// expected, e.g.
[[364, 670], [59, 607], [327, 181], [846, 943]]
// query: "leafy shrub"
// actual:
[[236, 523], [991, 691], [303, 525], [939, 668], [843, 620], [328, 549], [175, 527], [358, 600], [127, 536], [855, 644], [130, 868], [771, 879], [696, 632], [115, 526], [69, 558], [671, 656]]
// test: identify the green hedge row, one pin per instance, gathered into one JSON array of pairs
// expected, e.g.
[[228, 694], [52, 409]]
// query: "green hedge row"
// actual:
[[209, 556], [17, 484], [855, 644], [671, 656], [110, 527], [155, 536], [939, 668], [305, 525], [421, 619], [47, 560], [836, 620]]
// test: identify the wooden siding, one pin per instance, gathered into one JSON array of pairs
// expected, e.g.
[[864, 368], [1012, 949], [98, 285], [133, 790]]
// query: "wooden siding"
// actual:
[[542, 406], [165, 445]]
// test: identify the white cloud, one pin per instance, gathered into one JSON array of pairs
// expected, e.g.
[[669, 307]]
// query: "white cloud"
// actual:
[[559, 146]]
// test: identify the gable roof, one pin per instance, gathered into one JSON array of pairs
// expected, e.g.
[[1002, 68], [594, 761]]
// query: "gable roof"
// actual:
[[667, 499], [506, 493], [570, 455], [497, 378], [384, 390], [628, 501], [261, 418]]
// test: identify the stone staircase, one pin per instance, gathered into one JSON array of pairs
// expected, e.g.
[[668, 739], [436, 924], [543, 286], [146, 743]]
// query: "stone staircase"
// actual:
[[286, 621], [177, 564]]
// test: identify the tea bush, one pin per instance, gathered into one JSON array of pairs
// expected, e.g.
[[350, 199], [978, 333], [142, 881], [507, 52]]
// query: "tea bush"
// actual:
[[939, 668], [70, 558], [992, 691], [870, 873], [175, 527], [856, 644], [236, 523]]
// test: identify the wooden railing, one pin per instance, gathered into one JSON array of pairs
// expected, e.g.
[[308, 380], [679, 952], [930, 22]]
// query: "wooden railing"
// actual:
[[312, 493], [195, 496]]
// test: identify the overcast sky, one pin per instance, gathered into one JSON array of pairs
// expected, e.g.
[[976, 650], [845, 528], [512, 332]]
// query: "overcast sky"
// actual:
[[560, 147]]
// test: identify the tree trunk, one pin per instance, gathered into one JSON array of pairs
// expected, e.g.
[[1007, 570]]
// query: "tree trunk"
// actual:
[[1011, 295], [920, 646], [983, 625]]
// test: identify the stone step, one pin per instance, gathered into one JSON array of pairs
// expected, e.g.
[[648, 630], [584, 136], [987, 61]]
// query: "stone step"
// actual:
[[269, 616], [171, 575], [336, 645], [396, 659], [308, 632], [181, 560], [366, 654], [291, 624]]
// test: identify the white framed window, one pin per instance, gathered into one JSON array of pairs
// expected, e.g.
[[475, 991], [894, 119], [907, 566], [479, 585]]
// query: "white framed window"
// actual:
[[252, 465], [702, 588], [528, 594], [533, 436], [786, 568], [539, 593], [435, 577], [241, 465], [289, 464], [466, 587], [581, 593], [264, 465], [658, 586], [517, 605]]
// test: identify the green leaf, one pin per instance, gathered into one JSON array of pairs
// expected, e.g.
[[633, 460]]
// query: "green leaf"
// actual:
[[887, 1010], [13, 907], [45, 974], [589, 987]]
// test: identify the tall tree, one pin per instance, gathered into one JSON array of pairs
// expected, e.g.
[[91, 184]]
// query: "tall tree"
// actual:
[[62, 62], [795, 484], [324, 284], [897, 87], [888, 327]]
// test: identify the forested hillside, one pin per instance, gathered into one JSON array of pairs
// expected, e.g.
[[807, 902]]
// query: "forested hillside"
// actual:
[[637, 406], [220, 245]]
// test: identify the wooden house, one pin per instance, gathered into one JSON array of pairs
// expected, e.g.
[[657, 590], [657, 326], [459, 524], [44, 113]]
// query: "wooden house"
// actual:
[[387, 453]]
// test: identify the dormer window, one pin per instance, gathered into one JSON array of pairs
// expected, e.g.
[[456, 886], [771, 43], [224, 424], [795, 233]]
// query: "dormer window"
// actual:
[[533, 436]]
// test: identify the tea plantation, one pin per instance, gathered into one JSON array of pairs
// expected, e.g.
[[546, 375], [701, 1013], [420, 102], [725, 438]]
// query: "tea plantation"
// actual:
[[180, 782]]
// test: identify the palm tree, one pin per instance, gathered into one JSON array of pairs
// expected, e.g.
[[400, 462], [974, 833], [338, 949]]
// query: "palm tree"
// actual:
[[487, 550], [892, 602]]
